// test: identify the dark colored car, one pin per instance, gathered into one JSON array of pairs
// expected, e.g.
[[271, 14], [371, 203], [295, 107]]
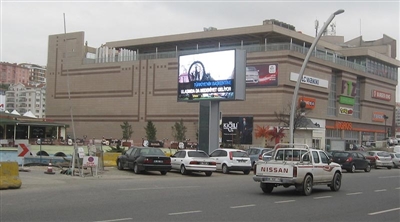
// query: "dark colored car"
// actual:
[[371, 159], [352, 161], [140, 159], [256, 153]]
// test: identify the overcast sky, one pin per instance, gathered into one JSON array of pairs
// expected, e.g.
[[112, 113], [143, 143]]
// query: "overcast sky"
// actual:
[[26, 25]]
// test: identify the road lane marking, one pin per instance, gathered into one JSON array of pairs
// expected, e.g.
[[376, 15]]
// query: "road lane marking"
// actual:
[[285, 201], [383, 211], [356, 193], [186, 212], [388, 177], [250, 205], [158, 188], [380, 190], [398, 188], [122, 219], [323, 197]]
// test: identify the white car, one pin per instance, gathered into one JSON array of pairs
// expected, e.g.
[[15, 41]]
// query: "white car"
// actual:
[[231, 160], [383, 159], [187, 161], [252, 75], [395, 159]]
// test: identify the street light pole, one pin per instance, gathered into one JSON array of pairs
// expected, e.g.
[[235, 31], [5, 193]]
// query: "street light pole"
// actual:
[[385, 117], [303, 67]]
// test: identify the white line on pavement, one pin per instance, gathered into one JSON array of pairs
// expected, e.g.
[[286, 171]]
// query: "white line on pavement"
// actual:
[[187, 212], [159, 188], [285, 201], [380, 190], [397, 188], [250, 205], [323, 197], [384, 211], [356, 193], [388, 177], [122, 219]]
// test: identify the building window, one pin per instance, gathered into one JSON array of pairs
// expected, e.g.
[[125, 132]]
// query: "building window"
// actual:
[[332, 96], [356, 107]]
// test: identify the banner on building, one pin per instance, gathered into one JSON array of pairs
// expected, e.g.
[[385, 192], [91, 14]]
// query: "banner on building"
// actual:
[[237, 130]]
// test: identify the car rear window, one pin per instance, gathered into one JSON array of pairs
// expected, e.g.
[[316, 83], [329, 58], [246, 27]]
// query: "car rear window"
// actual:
[[239, 154], [383, 154], [340, 154], [397, 155], [197, 154], [254, 151]]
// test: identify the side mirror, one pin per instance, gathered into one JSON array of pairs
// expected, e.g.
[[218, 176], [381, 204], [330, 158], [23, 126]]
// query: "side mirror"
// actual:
[[172, 156]]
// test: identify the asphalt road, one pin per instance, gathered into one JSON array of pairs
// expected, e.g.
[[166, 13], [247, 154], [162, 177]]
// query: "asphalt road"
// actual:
[[124, 196]]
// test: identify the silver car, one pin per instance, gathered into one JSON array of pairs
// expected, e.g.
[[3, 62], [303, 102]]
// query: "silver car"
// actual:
[[395, 159], [383, 159], [231, 160], [252, 75]]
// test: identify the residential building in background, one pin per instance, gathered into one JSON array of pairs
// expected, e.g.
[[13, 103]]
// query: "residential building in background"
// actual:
[[12, 73], [37, 74], [26, 99], [348, 86]]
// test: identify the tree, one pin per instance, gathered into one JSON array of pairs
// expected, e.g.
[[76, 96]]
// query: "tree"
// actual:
[[126, 131], [179, 131], [276, 134], [151, 131], [262, 132], [283, 117]]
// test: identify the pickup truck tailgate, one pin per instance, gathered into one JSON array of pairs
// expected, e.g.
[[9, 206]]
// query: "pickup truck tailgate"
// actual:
[[275, 170]]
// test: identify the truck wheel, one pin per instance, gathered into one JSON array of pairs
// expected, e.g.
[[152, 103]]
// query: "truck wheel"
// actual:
[[389, 168], [267, 187], [225, 169], [368, 169], [307, 185], [336, 182]]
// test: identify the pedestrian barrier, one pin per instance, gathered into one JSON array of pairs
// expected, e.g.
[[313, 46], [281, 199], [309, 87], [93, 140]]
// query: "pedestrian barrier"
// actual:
[[9, 175]]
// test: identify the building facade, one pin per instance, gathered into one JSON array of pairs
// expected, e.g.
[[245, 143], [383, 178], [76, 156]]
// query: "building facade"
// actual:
[[37, 74], [12, 73], [348, 86], [26, 98]]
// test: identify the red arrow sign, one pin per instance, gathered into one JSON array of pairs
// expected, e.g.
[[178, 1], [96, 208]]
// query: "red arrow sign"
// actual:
[[23, 151]]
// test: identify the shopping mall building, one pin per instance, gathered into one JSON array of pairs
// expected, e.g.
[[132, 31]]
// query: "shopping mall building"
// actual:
[[349, 87]]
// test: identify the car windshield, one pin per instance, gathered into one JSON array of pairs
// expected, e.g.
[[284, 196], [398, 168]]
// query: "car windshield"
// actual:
[[340, 154], [197, 154], [239, 154]]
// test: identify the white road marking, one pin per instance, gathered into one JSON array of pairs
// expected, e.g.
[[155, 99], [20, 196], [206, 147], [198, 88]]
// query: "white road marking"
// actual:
[[388, 177], [356, 193], [380, 190], [384, 211], [122, 219], [187, 212], [285, 201], [250, 205], [397, 188], [323, 197], [159, 188]]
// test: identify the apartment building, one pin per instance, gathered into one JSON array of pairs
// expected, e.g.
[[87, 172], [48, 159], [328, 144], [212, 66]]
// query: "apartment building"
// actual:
[[12, 73], [26, 99], [37, 73], [348, 86]]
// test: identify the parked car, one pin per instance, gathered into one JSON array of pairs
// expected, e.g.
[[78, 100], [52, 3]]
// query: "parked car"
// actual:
[[352, 161], [256, 153], [187, 161], [371, 159], [231, 160], [395, 159], [252, 75], [268, 155], [140, 159], [382, 158]]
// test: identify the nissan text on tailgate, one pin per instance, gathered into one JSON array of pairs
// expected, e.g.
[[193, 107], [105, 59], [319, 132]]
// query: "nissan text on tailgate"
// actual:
[[300, 166]]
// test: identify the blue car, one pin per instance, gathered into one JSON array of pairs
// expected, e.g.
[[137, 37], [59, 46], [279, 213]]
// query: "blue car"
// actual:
[[256, 153]]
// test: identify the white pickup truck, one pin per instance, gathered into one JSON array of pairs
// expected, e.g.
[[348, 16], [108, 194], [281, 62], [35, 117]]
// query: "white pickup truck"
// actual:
[[298, 165]]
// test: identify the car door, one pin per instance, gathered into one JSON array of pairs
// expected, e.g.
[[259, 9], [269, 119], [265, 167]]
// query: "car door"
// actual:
[[216, 156], [177, 160], [318, 170], [130, 159], [361, 161], [327, 173]]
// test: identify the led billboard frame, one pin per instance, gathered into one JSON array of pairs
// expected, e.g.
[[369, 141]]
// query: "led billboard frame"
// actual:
[[219, 75]]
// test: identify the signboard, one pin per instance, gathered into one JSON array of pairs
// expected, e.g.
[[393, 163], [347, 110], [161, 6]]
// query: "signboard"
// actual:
[[90, 161], [378, 117], [309, 80], [346, 100], [345, 111], [237, 130], [310, 102], [343, 125], [262, 75], [381, 95], [23, 150], [216, 75], [2, 101]]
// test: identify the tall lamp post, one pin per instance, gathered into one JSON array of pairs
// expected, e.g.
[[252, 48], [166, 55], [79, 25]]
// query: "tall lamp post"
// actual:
[[303, 67], [385, 117]]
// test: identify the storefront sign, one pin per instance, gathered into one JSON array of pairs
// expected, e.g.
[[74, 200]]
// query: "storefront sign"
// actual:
[[349, 88], [343, 125], [381, 95], [310, 102], [345, 111], [309, 80], [346, 100], [378, 117]]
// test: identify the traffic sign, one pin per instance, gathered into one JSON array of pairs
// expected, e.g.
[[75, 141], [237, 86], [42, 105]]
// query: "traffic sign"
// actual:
[[23, 150]]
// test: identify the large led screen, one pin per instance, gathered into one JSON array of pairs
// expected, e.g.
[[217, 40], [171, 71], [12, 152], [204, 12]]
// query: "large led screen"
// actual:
[[212, 76]]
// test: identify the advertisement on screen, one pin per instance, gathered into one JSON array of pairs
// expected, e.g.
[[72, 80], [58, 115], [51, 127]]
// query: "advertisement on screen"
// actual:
[[237, 130], [262, 75], [211, 76]]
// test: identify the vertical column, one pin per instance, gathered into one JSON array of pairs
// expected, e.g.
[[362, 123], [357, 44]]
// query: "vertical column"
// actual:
[[208, 126]]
